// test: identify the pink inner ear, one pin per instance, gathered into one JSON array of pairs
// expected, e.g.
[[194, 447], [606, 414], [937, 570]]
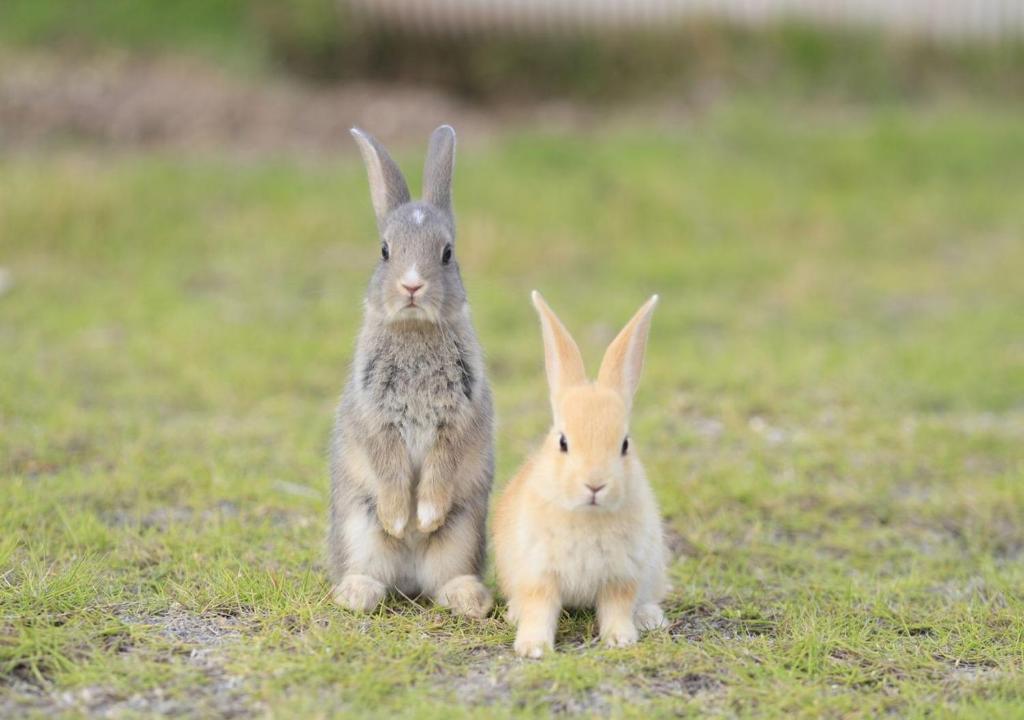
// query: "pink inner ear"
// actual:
[[624, 360], [562, 358]]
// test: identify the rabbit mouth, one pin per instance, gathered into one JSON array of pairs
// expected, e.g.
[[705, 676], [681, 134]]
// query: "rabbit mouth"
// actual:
[[412, 311]]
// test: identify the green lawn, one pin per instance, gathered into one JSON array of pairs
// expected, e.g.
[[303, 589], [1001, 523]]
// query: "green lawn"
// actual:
[[832, 416]]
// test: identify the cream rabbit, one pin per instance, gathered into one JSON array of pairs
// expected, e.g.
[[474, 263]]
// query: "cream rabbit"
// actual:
[[579, 526]]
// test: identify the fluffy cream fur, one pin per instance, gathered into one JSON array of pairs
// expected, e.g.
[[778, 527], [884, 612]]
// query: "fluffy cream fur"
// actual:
[[581, 527]]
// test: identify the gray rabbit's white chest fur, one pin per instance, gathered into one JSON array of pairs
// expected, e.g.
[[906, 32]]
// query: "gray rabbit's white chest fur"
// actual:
[[416, 380]]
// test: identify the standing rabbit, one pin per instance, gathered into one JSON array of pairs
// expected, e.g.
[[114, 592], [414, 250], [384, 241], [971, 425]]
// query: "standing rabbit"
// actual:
[[412, 451], [579, 525]]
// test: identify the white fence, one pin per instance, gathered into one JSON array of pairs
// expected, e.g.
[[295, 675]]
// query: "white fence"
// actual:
[[942, 19]]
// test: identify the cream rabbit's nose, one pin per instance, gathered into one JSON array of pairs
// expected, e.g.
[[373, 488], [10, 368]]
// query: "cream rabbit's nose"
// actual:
[[595, 488]]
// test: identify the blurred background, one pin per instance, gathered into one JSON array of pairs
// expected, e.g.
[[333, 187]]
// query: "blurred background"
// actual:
[[261, 74]]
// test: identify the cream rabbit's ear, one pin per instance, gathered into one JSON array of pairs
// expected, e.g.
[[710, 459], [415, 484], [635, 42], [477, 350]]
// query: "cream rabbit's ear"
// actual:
[[561, 354], [439, 168], [624, 359], [388, 188]]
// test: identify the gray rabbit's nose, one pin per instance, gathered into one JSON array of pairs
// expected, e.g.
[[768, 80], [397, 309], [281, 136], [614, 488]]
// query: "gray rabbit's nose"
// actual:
[[412, 282]]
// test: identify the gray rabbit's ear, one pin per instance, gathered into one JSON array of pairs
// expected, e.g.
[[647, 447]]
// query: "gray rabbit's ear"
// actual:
[[438, 169], [388, 188]]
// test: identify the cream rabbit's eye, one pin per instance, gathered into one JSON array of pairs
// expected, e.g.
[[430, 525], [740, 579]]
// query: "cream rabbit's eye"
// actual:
[[625, 445], [563, 444]]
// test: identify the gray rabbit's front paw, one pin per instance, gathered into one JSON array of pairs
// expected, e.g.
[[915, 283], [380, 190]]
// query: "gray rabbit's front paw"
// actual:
[[430, 516], [433, 503], [393, 513]]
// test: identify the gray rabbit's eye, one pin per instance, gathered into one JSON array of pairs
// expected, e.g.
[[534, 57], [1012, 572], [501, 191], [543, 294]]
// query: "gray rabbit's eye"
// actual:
[[384, 252], [563, 444], [446, 256]]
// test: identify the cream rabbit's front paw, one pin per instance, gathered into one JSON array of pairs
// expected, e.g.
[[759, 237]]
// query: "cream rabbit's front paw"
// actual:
[[621, 636], [532, 647]]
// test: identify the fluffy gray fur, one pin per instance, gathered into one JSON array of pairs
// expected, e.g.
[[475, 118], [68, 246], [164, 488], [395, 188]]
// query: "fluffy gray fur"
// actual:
[[412, 452]]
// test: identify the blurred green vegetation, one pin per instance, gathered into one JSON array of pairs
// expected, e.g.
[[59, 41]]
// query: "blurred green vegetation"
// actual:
[[250, 34], [699, 59], [317, 39], [220, 27]]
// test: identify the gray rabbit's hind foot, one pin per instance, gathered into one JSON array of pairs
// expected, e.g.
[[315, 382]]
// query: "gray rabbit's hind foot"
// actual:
[[359, 593], [466, 595]]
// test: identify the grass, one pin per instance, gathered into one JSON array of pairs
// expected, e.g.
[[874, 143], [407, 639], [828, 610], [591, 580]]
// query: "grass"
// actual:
[[831, 415]]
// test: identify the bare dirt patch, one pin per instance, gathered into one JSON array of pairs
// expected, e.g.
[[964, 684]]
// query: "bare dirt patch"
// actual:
[[179, 103], [74, 451], [162, 518], [196, 640], [678, 545], [961, 678], [487, 676], [694, 621], [686, 686]]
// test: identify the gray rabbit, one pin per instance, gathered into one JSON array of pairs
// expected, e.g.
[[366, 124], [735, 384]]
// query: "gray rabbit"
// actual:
[[412, 452]]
